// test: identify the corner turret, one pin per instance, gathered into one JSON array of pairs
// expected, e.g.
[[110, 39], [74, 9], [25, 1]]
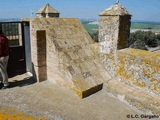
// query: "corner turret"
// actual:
[[114, 28], [47, 12]]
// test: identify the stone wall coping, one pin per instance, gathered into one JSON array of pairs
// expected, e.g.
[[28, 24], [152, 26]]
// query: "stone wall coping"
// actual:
[[138, 52]]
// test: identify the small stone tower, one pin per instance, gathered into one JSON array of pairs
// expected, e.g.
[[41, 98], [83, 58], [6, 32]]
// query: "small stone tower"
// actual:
[[114, 28], [47, 12]]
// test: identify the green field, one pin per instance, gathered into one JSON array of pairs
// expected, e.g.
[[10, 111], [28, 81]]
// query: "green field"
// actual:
[[144, 26], [92, 28]]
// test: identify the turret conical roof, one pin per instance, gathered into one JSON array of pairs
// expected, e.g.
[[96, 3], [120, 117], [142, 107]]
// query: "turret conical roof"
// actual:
[[116, 9], [47, 9]]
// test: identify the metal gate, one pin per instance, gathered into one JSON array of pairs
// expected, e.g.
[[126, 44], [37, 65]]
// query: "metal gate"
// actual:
[[14, 31]]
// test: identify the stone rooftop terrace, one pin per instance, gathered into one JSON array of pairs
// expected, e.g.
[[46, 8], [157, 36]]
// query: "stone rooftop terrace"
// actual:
[[52, 102]]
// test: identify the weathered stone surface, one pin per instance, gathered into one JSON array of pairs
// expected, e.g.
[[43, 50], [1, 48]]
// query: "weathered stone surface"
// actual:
[[40, 73], [39, 55], [47, 11], [157, 52], [108, 34], [71, 50], [116, 9], [113, 33], [73, 60], [53, 102], [137, 68], [124, 32], [139, 98], [134, 67]]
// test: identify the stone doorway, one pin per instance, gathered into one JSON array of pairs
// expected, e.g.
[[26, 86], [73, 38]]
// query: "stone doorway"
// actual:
[[19, 49]]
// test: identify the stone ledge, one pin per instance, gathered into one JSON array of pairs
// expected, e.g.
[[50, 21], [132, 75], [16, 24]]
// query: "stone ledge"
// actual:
[[139, 98], [88, 92], [92, 90], [137, 52]]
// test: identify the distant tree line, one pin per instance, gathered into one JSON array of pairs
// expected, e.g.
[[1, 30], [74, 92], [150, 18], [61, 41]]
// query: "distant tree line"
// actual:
[[143, 39], [138, 39], [94, 36]]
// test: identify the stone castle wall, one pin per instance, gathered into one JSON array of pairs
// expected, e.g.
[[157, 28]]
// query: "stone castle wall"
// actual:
[[135, 67], [72, 58], [113, 33], [67, 55], [108, 34]]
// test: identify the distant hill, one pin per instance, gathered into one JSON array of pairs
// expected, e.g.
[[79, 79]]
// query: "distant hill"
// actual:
[[145, 22], [94, 23], [89, 19], [92, 26], [136, 21]]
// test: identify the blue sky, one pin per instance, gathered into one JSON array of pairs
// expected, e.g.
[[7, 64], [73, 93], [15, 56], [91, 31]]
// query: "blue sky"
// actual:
[[146, 10]]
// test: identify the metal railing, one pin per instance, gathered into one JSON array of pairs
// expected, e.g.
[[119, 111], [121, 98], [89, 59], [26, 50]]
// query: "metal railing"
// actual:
[[13, 31]]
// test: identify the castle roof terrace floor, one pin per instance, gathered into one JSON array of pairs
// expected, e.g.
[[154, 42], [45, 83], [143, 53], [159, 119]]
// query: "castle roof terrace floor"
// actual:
[[52, 102]]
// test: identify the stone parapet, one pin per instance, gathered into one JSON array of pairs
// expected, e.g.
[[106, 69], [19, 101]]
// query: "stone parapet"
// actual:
[[135, 67], [139, 98]]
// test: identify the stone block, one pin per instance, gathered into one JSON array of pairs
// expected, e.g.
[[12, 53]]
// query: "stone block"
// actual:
[[92, 90], [40, 73], [39, 55]]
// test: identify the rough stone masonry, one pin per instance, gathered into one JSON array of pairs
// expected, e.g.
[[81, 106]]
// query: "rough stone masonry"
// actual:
[[138, 68], [70, 57], [70, 53]]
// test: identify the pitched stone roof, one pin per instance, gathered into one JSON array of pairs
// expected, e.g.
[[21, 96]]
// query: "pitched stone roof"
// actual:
[[72, 54], [116, 9], [47, 9]]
